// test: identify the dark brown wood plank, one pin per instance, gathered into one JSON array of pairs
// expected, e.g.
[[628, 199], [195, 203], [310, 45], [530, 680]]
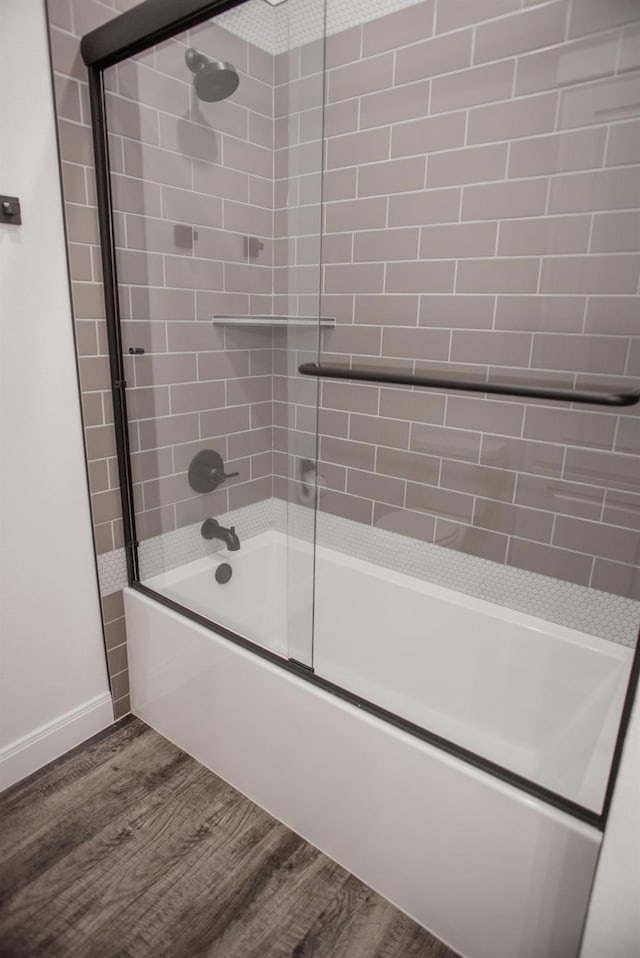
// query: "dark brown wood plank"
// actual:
[[128, 848]]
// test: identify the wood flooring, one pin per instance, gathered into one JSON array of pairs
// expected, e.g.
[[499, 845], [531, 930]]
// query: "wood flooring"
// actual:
[[129, 848]]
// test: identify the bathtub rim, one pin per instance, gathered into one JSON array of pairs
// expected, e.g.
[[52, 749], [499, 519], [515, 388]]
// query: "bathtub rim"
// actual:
[[597, 820]]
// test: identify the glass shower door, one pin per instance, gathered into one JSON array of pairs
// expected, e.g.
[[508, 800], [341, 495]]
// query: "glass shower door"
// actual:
[[477, 553], [207, 185]]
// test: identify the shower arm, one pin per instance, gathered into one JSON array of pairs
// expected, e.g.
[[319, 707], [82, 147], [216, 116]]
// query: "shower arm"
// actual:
[[397, 377]]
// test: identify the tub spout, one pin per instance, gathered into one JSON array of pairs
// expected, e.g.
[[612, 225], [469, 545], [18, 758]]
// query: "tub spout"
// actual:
[[211, 529]]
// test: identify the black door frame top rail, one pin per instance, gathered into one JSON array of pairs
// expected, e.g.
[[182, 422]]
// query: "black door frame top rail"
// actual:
[[398, 377]]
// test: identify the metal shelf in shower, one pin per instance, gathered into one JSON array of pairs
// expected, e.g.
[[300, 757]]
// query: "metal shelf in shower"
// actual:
[[381, 376], [286, 321]]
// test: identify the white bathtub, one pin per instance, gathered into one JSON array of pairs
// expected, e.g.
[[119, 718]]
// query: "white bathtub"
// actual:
[[536, 698], [494, 872]]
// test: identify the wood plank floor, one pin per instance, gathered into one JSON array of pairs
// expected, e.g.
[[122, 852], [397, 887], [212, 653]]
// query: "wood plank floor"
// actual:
[[129, 848]]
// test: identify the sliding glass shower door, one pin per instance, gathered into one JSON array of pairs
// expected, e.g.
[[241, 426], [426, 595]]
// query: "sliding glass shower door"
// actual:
[[477, 548], [209, 182]]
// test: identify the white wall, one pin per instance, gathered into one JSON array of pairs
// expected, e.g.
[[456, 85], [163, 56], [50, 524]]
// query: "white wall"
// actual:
[[53, 680], [613, 922]]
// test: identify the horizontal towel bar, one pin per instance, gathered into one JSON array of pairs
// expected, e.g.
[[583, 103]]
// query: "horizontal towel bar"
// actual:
[[398, 377]]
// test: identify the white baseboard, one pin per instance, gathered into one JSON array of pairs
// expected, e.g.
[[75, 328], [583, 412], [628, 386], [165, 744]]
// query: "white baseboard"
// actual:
[[31, 752]]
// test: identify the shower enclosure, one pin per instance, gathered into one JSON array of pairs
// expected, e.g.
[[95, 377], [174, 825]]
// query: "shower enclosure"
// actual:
[[372, 275]]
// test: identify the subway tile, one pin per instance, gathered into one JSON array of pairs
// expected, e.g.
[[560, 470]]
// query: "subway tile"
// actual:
[[103, 538], [82, 224], [464, 538], [250, 443], [391, 176], [485, 415], [73, 183], [92, 409], [343, 47], [354, 278], [532, 29], [245, 218], [158, 369], [138, 122], [75, 143], [249, 492], [221, 422], [147, 402], [513, 520], [137, 267], [630, 48], [98, 476], [433, 57], [395, 105], [369, 485], [115, 628], [88, 15], [94, 373], [570, 426], [616, 232], [100, 442], [547, 560], [470, 87], [65, 54], [347, 507], [407, 465], [149, 86], [250, 390], [477, 479], [424, 208], [617, 578], [616, 315], [491, 348], [505, 200], [59, 12], [599, 101], [220, 181], [468, 165], [443, 441], [196, 397], [589, 16], [223, 364], [554, 314], [459, 312], [385, 310], [385, 245], [421, 277], [603, 468], [340, 117], [189, 273], [117, 661], [413, 524], [624, 143], [155, 522], [247, 157], [461, 13], [628, 436], [356, 215], [379, 431], [431, 344], [67, 94], [398, 28], [559, 496], [428, 135], [439, 502], [522, 455], [348, 453], [512, 119], [566, 64], [363, 76], [502, 275], [189, 207], [347, 338], [458, 241], [417, 407], [162, 304], [590, 274], [151, 464], [350, 397], [169, 489], [168, 430], [622, 509], [557, 234], [352, 149], [201, 507], [120, 692], [596, 538]]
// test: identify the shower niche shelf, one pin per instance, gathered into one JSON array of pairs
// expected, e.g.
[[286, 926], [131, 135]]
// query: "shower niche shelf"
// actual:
[[324, 321]]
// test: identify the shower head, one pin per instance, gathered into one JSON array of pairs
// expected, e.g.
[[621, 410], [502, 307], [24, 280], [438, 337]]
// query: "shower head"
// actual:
[[213, 79]]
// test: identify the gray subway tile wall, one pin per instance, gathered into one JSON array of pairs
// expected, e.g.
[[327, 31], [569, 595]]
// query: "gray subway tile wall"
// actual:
[[480, 198]]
